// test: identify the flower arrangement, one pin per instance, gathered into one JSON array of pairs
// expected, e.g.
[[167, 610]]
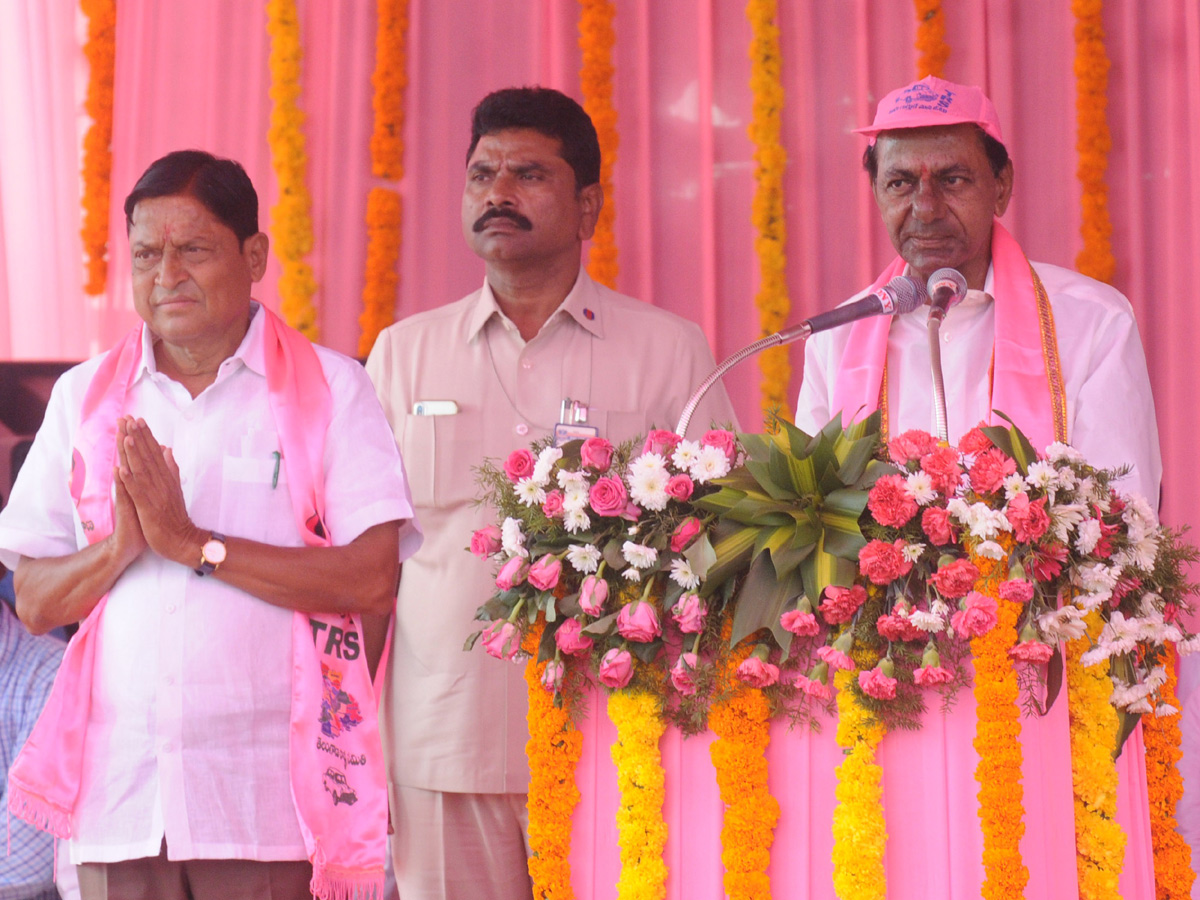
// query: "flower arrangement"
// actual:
[[100, 50]]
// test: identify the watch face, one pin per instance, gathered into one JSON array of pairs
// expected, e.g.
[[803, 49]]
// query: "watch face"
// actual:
[[214, 552]]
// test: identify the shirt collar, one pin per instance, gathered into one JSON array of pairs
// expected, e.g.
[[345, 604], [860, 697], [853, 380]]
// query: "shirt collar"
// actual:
[[249, 351], [582, 304]]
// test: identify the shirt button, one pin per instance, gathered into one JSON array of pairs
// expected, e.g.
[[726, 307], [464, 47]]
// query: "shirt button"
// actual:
[[168, 747], [526, 365], [522, 429], [170, 680], [946, 338], [170, 607]]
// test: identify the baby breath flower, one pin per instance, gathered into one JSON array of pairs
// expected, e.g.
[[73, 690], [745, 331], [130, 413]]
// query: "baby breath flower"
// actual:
[[575, 520], [512, 539], [686, 455], [639, 555], [682, 574], [583, 558], [545, 464], [529, 492], [920, 487]]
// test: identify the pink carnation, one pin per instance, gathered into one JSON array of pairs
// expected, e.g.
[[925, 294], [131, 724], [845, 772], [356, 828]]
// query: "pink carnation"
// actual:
[[941, 465], [875, 684], [616, 668], [814, 688], [486, 541], [680, 487], [552, 508], [890, 502], [911, 446], [841, 603], [974, 441], [569, 638], [882, 562], [1018, 590], [990, 469], [596, 454], [544, 573], [978, 616], [661, 442], [501, 639], [608, 496], [723, 440], [1031, 651], [1029, 520], [930, 676], [758, 672], [638, 621], [835, 658], [519, 465], [897, 628], [683, 673], [935, 522], [804, 624], [685, 532], [956, 578]]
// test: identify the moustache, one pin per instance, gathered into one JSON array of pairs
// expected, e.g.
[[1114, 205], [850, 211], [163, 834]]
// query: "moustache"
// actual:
[[498, 213]]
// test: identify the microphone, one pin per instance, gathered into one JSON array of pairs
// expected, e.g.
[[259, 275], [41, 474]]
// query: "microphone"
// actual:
[[901, 295], [946, 289]]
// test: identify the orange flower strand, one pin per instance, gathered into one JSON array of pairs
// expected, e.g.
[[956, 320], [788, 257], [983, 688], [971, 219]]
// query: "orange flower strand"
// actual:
[[997, 739], [389, 80], [1093, 140], [383, 251], [932, 49], [597, 38], [553, 749], [1173, 873], [100, 51]]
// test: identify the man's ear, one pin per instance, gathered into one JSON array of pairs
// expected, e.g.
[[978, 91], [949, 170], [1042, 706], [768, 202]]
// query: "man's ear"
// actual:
[[255, 252], [1004, 185], [591, 201]]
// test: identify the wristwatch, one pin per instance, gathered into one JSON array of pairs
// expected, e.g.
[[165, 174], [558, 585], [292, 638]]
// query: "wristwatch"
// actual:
[[212, 554]]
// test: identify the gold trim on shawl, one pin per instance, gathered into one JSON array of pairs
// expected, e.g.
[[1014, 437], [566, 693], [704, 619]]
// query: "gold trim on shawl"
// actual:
[[1054, 376]]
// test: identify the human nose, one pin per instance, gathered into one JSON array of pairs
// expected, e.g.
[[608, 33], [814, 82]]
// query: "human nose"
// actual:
[[170, 269], [928, 204], [501, 190]]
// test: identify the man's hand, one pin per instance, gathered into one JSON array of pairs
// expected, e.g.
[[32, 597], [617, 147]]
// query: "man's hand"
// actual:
[[127, 539], [150, 478]]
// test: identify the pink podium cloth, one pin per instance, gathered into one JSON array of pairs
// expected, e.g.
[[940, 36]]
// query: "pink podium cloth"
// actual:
[[934, 840]]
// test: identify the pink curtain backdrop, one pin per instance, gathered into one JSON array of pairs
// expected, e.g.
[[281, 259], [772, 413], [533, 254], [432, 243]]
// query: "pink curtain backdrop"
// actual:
[[196, 75]]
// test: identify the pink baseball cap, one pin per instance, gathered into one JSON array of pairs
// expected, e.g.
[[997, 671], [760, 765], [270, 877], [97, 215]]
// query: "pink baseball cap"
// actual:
[[931, 102]]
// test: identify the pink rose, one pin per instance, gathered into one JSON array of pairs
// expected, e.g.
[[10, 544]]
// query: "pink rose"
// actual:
[[552, 675], [974, 441], [722, 440], [608, 496], [1029, 520], [941, 465], [661, 442], [689, 611], [512, 573], [486, 541], [1031, 651], [976, 616], [803, 624], [544, 573], [1018, 590], [616, 668], [553, 507], [569, 638], [519, 465], [638, 621], [685, 532], [990, 469], [680, 487], [835, 658], [911, 446], [758, 672], [931, 676], [890, 502], [955, 579], [876, 684], [593, 594], [935, 522], [596, 454], [683, 673], [502, 639], [882, 562], [841, 603]]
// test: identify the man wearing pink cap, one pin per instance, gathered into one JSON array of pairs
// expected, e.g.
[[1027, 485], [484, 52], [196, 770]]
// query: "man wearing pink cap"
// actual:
[[1057, 352]]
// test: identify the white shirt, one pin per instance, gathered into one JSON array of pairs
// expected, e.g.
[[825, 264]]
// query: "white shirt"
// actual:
[[1110, 410], [188, 730]]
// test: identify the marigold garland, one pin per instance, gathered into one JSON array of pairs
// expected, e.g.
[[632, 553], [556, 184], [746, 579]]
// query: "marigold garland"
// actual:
[[859, 830], [932, 50], [596, 39], [767, 212], [1099, 841], [291, 220], [554, 748], [742, 726], [641, 831], [1093, 140], [100, 50], [1173, 873], [384, 207], [997, 738]]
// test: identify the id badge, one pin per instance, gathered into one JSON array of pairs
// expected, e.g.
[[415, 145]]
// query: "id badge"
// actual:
[[565, 433]]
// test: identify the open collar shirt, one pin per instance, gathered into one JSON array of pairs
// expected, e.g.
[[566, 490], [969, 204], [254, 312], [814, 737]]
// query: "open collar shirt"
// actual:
[[190, 712]]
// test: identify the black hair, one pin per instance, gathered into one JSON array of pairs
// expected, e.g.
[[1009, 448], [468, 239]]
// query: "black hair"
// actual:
[[549, 112], [997, 154], [221, 185]]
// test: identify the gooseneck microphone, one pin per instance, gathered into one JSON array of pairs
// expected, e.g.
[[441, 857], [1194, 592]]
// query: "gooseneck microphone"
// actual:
[[946, 288]]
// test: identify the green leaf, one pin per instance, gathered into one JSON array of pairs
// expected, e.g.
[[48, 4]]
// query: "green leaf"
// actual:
[[762, 600], [766, 479], [822, 569], [472, 639], [602, 626], [854, 460], [645, 652], [757, 446], [700, 555], [546, 646], [732, 548]]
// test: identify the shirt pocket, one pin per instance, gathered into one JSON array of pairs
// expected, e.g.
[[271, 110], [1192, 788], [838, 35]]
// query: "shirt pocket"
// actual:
[[440, 454], [255, 500]]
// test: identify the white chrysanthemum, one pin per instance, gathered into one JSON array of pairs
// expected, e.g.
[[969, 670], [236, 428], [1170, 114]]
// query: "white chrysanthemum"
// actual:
[[940, 608], [631, 574], [1087, 536], [639, 555], [959, 510], [711, 463], [986, 523], [1190, 646], [682, 574], [912, 552], [1137, 511], [1092, 601], [512, 539], [575, 499], [568, 479], [1042, 475], [927, 621], [529, 492], [920, 487], [1165, 709], [1067, 478], [686, 454], [1141, 707], [1065, 624], [989, 550], [1097, 654], [1013, 484], [1157, 678], [1064, 518], [648, 477], [1145, 552], [575, 520], [1089, 491], [1059, 452], [583, 558], [545, 464], [1097, 577]]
